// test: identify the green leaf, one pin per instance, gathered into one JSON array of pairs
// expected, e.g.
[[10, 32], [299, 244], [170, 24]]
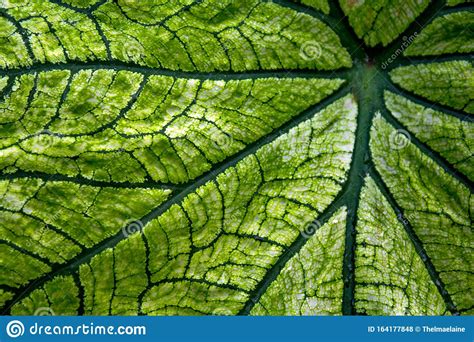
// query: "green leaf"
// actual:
[[236, 157], [305, 285], [449, 33], [390, 276], [448, 83], [381, 21], [171, 138], [322, 5], [448, 135]]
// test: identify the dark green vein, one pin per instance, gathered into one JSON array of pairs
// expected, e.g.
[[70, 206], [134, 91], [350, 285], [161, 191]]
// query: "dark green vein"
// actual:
[[412, 60], [21, 31], [363, 86], [87, 10], [367, 88], [291, 251], [85, 256], [415, 241], [77, 66], [86, 181], [367, 85], [435, 156], [337, 21], [26, 252], [422, 101], [429, 14]]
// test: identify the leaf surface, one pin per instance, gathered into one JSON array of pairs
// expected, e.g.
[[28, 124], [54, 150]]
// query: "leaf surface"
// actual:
[[236, 157]]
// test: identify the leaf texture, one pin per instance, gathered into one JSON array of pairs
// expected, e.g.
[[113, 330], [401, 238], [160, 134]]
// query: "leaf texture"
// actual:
[[305, 157]]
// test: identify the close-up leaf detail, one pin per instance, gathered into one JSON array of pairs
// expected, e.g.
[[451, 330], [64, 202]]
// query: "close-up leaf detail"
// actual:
[[288, 157]]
